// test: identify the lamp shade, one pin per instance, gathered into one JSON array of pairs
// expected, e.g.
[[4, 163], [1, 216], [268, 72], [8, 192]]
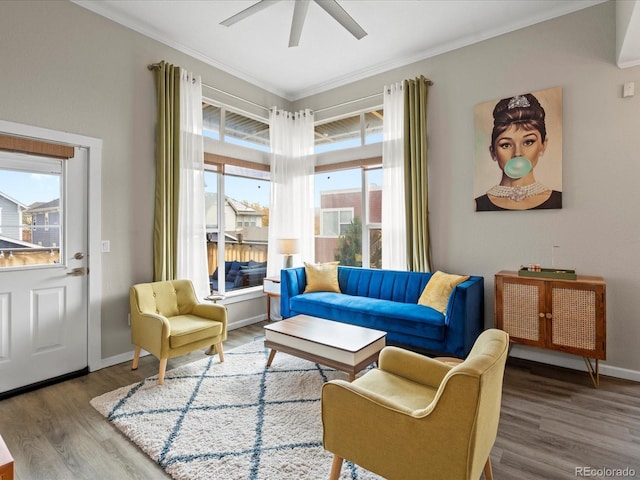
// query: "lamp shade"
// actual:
[[288, 246]]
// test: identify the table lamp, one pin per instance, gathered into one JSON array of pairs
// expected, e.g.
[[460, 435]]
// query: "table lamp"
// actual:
[[288, 247]]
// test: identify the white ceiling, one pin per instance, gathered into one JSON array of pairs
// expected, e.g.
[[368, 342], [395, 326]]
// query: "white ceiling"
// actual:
[[255, 49]]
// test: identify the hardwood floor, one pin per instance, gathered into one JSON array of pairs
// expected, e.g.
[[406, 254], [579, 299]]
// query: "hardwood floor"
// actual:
[[553, 423]]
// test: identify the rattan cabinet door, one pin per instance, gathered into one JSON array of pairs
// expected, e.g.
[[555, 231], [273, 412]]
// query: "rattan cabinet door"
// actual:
[[577, 318], [520, 309]]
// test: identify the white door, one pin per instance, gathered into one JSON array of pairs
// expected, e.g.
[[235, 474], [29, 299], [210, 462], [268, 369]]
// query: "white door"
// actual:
[[43, 268]]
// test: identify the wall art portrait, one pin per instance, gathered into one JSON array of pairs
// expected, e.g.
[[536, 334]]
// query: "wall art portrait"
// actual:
[[518, 152]]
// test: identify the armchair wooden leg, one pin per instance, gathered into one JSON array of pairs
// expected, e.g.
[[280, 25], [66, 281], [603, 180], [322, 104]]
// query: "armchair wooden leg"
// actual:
[[163, 369], [136, 357], [488, 473], [216, 348], [336, 466]]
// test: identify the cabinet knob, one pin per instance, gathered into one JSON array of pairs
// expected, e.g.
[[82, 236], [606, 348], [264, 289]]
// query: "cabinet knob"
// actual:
[[541, 314], [549, 315]]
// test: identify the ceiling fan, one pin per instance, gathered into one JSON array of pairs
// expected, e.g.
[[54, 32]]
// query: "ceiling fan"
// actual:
[[299, 14]]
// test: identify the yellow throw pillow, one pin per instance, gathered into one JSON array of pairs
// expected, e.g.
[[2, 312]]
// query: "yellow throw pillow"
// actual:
[[436, 293], [322, 277]]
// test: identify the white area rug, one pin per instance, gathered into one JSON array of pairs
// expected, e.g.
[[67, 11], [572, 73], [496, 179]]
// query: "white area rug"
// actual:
[[231, 420]]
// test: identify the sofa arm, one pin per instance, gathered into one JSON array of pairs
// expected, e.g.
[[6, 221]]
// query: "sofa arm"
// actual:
[[292, 282], [465, 316]]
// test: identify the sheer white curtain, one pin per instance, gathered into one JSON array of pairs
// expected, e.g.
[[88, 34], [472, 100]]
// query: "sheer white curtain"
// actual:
[[192, 249], [292, 169], [394, 233]]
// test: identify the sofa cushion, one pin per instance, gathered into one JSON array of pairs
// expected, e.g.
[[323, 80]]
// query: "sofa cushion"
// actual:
[[322, 277], [385, 315], [436, 293], [233, 272], [186, 329], [399, 286], [254, 264]]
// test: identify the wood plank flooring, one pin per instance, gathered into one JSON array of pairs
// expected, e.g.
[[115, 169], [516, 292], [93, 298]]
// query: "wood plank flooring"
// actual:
[[553, 423]]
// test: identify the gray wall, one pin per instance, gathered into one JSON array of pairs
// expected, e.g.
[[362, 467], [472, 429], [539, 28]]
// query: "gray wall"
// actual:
[[598, 228], [67, 69]]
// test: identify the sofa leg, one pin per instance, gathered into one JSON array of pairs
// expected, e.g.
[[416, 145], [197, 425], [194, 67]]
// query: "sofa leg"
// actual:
[[336, 466], [136, 357], [163, 369]]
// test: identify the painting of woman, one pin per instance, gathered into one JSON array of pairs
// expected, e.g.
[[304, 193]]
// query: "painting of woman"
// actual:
[[519, 147]]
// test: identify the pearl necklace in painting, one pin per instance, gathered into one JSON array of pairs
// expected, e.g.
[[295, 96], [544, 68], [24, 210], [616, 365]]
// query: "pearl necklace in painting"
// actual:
[[517, 193]]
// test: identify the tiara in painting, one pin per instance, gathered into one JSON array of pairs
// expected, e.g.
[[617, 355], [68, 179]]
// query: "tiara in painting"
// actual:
[[519, 101]]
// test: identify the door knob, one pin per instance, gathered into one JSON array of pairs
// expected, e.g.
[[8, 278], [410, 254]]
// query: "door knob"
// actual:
[[79, 256]]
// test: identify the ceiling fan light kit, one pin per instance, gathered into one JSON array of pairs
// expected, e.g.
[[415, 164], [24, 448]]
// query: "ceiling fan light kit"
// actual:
[[300, 8]]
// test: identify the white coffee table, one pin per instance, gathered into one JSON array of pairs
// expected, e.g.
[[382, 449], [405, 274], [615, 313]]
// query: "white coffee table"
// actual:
[[345, 347]]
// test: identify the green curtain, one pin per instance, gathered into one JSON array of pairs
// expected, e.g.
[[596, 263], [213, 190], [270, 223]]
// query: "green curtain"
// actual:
[[416, 174], [165, 227]]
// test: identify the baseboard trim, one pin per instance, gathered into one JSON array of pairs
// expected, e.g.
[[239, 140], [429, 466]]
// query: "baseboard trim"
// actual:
[[572, 362], [246, 321]]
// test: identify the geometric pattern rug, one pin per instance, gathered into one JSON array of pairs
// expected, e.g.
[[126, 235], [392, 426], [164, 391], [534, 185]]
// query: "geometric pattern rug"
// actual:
[[231, 420]]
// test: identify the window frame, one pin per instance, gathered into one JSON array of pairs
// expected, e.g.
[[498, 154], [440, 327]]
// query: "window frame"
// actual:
[[225, 158], [220, 155]]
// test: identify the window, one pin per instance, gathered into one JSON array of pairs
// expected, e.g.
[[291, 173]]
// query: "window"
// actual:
[[30, 192], [247, 132], [211, 116], [348, 197], [245, 227], [237, 192], [221, 123], [349, 132], [348, 205], [335, 221]]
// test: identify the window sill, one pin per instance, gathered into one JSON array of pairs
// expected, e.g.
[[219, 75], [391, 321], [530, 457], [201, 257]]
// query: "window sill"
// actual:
[[242, 295]]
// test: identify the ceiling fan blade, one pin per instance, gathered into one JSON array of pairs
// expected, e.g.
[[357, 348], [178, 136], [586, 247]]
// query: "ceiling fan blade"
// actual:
[[342, 17], [299, 14], [255, 8]]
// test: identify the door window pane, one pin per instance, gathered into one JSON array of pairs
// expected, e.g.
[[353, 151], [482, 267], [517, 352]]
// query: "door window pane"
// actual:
[[30, 213]]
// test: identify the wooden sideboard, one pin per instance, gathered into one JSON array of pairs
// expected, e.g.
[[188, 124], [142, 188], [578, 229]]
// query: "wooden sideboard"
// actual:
[[564, 315]]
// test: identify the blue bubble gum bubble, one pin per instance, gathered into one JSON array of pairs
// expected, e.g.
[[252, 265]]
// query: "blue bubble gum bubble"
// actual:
[[517, 167]]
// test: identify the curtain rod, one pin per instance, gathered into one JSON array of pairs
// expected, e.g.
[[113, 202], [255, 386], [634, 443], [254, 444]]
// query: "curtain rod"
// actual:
[[373, 95], [155, 66]]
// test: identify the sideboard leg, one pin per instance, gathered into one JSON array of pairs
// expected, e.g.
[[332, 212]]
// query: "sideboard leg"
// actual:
[[594, 371]]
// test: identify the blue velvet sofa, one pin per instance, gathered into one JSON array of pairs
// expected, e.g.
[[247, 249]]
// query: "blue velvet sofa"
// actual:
[[387, 300]]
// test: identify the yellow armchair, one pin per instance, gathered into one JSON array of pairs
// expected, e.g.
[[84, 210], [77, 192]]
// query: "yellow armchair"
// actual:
[[168, 321], [418, 418]]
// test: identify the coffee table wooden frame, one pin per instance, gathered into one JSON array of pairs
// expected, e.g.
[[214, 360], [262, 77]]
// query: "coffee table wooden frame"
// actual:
[[333, 342]]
